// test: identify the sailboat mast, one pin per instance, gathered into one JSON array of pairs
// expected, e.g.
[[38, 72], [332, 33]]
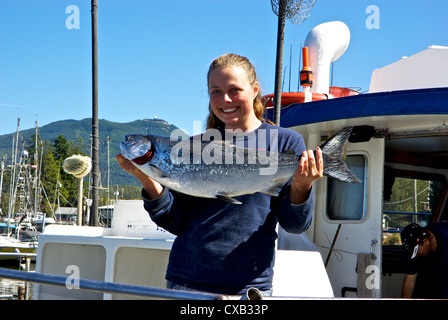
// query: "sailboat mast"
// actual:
[[12, 189], [1, 180], [36, 172]]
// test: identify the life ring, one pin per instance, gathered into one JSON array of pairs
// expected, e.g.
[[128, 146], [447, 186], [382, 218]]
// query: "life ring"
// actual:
[[299, 97], [292, 97]]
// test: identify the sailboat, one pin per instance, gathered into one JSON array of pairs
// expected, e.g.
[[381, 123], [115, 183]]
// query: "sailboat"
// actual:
[[16, 235]]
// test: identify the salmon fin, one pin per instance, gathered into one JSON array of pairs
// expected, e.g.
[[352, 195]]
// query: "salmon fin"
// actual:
[[274, 190], [224, 197]]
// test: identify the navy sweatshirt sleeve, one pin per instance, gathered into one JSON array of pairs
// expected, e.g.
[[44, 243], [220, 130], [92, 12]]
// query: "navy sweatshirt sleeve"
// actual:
[[294, 218]]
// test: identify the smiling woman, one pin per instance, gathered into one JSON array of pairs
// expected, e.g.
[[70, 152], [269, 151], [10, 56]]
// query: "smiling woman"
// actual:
[[228, 246]]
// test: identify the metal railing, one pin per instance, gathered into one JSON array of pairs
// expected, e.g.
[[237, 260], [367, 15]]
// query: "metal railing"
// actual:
[[17, 255], [24, 260], [106, 287]]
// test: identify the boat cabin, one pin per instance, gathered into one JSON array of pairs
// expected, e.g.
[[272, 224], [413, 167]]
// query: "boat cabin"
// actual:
[[399, 149], [400, 157]]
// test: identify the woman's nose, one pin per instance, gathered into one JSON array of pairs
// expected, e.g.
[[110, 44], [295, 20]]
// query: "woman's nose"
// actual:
[[227, 97]]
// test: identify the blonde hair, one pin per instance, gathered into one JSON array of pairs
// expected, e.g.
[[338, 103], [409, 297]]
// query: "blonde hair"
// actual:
[[234, 60]]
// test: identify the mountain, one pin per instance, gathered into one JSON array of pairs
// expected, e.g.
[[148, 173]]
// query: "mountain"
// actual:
[[72, 129]]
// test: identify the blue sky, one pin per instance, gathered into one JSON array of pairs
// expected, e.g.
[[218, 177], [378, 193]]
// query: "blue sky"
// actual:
[[154, 54]]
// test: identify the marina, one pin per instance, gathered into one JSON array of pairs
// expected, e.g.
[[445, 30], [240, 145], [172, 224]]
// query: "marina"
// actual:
[[388, 127]]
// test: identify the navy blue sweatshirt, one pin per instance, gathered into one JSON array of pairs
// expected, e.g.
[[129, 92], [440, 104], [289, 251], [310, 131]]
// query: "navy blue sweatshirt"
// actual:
[[223, 247]]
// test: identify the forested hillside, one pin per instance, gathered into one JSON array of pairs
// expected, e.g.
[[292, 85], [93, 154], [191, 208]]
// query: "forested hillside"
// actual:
[[61, 139]]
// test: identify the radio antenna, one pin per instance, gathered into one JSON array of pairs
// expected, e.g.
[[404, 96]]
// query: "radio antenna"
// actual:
[[296, 11]]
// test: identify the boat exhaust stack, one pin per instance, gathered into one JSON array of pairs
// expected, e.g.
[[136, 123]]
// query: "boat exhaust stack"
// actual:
[[325, 43]]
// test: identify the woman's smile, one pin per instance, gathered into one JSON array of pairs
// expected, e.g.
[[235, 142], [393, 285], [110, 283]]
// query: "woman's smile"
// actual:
[[229, 110]]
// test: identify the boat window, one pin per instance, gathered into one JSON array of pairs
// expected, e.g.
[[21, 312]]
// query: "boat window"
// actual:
[[346, 201], [411, 201]]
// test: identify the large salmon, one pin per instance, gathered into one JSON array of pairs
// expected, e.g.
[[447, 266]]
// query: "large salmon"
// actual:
[[219, 169]]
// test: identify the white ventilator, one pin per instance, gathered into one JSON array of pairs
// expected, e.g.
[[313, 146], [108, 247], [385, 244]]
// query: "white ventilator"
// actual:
[[326, 43]]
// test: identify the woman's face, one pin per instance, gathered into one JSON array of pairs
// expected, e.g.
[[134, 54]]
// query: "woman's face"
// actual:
[[231, 98]]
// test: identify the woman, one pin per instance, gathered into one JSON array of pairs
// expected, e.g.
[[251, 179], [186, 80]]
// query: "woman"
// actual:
[[223, 247]]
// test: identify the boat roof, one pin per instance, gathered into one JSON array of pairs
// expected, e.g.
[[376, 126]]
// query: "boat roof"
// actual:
[[424, 69]]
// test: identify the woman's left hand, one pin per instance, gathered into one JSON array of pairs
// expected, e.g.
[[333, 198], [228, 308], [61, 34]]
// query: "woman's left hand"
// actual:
[[310, 169]]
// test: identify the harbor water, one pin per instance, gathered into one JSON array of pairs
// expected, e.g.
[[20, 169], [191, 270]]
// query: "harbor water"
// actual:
[[14, 289]]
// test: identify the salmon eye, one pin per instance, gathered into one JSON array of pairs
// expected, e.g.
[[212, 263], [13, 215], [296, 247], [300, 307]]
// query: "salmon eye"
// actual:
[[138, 149], [147, 157]]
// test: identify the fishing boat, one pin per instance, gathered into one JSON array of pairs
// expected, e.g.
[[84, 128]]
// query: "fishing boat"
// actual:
[[352, 249], [399, 139], [17, 234], [18, 242], [13, 245]]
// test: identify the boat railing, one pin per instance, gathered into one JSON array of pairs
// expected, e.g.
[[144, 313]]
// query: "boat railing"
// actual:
[[106, 287], [24, 259], [17, 255]]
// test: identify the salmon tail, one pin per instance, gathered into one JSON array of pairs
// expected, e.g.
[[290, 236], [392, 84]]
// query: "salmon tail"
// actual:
[[333, 151]]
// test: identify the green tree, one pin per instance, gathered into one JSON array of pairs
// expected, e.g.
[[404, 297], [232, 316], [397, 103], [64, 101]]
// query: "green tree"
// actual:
[[5, 193], [412, 196], [48, 178], [59, 187], [62, 149]]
